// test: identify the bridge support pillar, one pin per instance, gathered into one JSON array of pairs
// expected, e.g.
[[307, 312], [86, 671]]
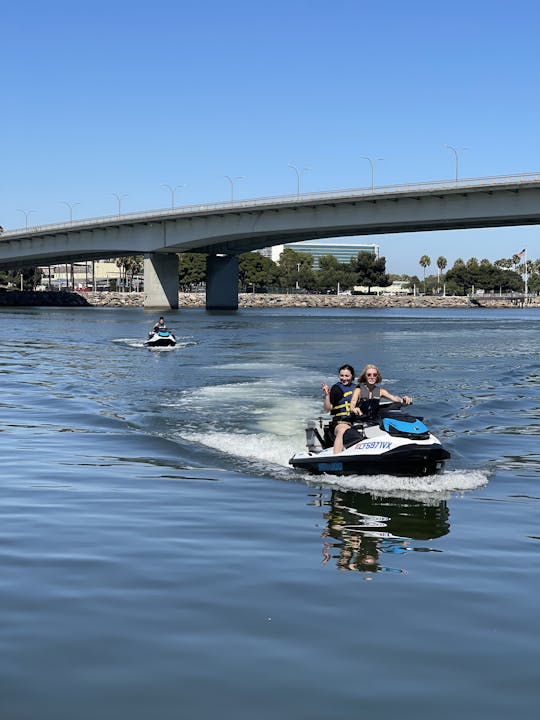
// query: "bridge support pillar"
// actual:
[[222, 282], [161, 280]]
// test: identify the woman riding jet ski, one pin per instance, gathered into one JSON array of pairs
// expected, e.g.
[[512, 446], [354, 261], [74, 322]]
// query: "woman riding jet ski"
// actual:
[[160, 335], [383, 440], [367, 438]]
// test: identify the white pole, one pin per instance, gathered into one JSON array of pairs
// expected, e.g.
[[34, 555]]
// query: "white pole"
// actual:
[[526, 276]]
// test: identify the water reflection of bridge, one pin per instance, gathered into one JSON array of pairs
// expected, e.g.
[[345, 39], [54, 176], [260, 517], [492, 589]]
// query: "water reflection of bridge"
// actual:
[[364, 533]]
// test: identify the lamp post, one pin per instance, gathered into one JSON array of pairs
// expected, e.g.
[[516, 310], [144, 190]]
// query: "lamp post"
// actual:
[[232, 180], [297, 275], [371, 162], [26, 214], [119, 200], [70, 206], [456, 154], [172, 190], [298, 172]]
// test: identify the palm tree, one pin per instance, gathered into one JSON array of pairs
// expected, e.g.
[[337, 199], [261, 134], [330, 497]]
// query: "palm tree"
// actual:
[[425, 261], [516, 259], [441, 264], [503, 263]]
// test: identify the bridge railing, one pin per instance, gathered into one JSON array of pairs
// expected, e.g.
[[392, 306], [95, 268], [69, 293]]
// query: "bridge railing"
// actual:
[[382, 191]]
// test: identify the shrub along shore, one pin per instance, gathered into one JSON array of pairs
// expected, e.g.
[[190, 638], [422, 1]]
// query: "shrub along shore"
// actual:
[[27, 298]]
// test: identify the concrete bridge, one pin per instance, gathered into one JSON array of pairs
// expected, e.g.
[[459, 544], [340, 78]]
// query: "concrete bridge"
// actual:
[[225, 230]]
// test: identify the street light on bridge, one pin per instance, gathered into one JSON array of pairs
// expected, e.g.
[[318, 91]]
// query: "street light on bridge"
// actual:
[[298, 172], [70, 206], [456, 153], [119, 200], [232, 180], [172, 190], [26, 214], [371, 162]]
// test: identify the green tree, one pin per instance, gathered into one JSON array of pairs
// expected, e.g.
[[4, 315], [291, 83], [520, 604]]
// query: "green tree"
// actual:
[[191, 270], [31, 276], [503, 263], [294, 269], [333, 274], [458, 277], [473, 270], [370, 270], [534, 276], [484, 276], [256, 270]]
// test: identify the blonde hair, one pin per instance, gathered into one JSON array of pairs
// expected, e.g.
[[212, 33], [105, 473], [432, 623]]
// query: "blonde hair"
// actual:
[[363, 378]]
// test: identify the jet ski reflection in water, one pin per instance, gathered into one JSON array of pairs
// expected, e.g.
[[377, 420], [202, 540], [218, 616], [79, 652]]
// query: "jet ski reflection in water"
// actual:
[[366, 533], [383, 440], [160, 336]]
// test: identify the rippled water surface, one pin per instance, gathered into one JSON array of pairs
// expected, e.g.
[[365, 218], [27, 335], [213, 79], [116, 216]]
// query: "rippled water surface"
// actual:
[[159, 558]]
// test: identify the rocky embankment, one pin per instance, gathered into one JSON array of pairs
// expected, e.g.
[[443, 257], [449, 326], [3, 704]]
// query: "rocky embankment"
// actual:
[[254, 300]]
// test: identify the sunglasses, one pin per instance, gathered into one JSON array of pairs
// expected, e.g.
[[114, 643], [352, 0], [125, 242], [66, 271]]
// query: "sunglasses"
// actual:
[[371, 374]]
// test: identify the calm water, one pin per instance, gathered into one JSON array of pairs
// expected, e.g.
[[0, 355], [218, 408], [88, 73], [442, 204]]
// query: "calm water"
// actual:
[[158, 558]]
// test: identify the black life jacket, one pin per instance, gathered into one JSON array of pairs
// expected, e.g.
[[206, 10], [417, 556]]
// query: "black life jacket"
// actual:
[[343, 407]]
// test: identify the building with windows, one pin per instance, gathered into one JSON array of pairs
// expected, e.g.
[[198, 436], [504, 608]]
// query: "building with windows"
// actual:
[[318, 248], [96, 275]]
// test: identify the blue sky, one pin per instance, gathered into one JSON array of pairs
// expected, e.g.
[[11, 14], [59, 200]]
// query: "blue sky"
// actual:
[[120, 97]]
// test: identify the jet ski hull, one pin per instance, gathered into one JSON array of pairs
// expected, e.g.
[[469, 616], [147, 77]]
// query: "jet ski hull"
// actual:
[[413, 459], [388, 443], [161, 339]]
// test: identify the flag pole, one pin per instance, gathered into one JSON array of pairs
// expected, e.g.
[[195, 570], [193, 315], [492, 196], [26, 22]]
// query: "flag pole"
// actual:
[[526, 276]]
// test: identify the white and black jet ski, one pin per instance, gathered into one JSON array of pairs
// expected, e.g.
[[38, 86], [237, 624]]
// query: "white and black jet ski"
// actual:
[[160, 338], [385, 441]]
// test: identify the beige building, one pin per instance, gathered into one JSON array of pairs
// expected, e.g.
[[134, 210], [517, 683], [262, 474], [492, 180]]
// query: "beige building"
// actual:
[[96, 274]]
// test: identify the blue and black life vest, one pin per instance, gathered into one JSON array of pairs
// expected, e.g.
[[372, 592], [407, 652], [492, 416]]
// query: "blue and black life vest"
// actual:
[[343, 407]]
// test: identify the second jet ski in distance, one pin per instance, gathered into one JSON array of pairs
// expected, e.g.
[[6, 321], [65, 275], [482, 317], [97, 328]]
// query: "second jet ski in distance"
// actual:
[[160, 335]]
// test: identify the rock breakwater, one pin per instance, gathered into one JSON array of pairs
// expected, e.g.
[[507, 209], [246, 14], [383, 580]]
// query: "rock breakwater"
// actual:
[[257, 300], [263, 300]]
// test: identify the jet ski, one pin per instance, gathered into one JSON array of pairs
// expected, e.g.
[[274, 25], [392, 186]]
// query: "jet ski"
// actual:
[[384, 440], [160, 338]]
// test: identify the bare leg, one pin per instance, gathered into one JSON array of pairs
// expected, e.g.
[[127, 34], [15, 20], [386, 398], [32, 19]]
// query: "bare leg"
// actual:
[[338, 436]]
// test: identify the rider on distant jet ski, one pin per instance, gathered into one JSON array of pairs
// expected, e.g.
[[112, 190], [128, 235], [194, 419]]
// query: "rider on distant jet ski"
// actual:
[[160, 325]]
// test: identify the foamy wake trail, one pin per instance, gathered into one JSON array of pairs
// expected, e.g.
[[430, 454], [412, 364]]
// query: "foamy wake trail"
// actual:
[[275, 450], [434, 486], [277, 423], [261, 447]]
